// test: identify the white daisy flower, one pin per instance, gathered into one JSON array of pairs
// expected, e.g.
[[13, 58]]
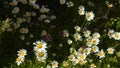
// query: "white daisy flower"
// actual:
[[110, 50], [116, 35], [54, 64], [80, 50], [89, 16], [83, 62], [101, 54], [65, 64], [19, 60], [81, 12], [65, 33], [95, 48], [96, 41], [22, 53], [62, 1], [89, 41], [92, 65], [96, 35], [44, 9], [77, 36], [110, 33], [14, 3], [75, 61], [81, 7], [81, 56], [69, 41], [71, 57], [69, 4], [87, 51], [77, 28], [41, 55], [15, 10], [87, 33], [39, 45], [23, 1]]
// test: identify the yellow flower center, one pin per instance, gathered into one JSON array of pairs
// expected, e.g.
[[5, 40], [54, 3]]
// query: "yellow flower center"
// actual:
[[40, 54], [88, 15], [54, 64], [18, 59], [39, 45], [100, 54], [110, 50], [22, 53], [116, 36]]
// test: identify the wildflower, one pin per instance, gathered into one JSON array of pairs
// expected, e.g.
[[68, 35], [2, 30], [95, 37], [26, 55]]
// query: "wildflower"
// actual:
[[41, 55], [54, 64], [92, 65], [39, 45], [41, 17], [69, 4], [80, 50], [53, 17], [89, 41], [75, 61], [22, 37], [110, 33], [15, 10], [71, 57], [110, 50], [24, 30], [87, 33], [19, 20], [89, 16], [77, 36], [62, 2], [44, 9], [19, 60], [69, 41], [96, 41], [87, 51], [65, 33], [81, 57], [96, 35], [81, 12], [47, 21], [116, 35], [65, 64], [95, 48], [77, 28], [101, 54], [22, 53], [83, 62], [81, 8]]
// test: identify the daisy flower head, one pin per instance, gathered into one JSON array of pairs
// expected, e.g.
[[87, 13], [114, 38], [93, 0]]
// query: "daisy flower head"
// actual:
[[81, 56], [77, 28], [65, 33], [22, 53], [110, 50], [77, 36], [96, 35], [87, 51], [83, 62], [19, 60], [54, 64], [15, 10], [81, 7], [69, 4], [69, 41], [65, 64], [89, 16], [110, 33], [14, 3], [92, 65], [87, 33], [116, 35], [101, 54], [71, 57], [95, 48], [62, 2], [41, 55], [96, 41], [75, 61], [23, 1], [39, 45]]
